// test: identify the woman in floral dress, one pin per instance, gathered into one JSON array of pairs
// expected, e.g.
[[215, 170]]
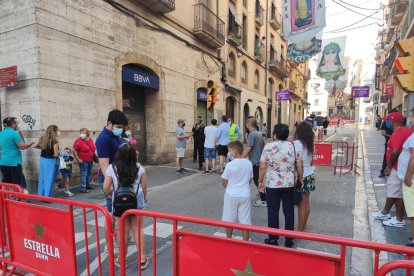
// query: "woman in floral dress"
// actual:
[[278, 170]]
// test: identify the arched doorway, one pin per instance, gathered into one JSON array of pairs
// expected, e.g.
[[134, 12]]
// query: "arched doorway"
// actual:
[[246, 113], [230, 102], [258, 115]]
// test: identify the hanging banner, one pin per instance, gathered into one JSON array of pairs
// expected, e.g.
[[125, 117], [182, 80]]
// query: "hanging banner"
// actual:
[[303, 20], [331, 64], [378, 77], [301, 53], [389, 89]]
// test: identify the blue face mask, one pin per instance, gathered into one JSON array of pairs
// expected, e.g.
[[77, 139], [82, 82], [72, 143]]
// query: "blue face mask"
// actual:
[[117, 131], [388, 124]]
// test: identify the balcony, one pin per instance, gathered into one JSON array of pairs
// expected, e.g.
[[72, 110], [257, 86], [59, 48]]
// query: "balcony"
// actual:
[[234, 35], [279, 67], [258, 54], [208, 27], [161, 6], [258, 18], [293, 64], [397, 12], [274, 21]]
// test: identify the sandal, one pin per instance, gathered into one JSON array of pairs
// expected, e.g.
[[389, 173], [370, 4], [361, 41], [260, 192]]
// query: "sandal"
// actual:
[[118, 262], [146, 263], [90, 187]]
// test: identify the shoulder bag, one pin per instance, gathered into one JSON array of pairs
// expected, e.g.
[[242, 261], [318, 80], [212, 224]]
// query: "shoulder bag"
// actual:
[[95, 157], [297, 195]]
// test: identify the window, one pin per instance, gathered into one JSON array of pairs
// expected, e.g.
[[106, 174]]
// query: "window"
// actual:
[[243, 72], [232, 65], [316, 102], [270, 84], [245, 3], [256, 80]]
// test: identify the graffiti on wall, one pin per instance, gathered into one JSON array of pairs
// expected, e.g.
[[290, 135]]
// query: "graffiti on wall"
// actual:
[[29, 120]]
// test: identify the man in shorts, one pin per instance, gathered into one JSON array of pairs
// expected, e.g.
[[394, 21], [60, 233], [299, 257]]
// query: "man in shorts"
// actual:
[[210, 133], [222, 140], [236, 179], [180, 145], [394, 185]]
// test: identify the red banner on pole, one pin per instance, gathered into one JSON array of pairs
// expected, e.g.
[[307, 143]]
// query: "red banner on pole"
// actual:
[[8, 76], [41, 237], [322, 155], [198, 255], [390, 90]]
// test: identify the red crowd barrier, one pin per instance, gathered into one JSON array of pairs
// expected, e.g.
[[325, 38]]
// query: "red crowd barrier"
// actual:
[[41, 239], [196, 253], [337, 154]]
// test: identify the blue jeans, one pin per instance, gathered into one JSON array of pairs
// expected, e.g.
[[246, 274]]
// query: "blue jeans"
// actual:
[[85, 172], [274, 196]]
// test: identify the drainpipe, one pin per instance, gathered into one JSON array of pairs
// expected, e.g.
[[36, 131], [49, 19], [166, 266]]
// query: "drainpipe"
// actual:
[[266, 62]]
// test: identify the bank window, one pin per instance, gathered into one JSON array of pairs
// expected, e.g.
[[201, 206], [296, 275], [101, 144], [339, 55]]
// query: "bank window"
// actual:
[[244, 72], [232, 65], [256, 79]]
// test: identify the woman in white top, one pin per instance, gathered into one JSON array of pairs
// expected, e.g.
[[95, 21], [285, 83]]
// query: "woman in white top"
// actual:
[[124, 171], [304, 143]]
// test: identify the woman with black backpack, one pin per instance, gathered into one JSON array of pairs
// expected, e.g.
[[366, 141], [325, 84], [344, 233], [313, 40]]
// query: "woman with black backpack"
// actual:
[[126, 182]]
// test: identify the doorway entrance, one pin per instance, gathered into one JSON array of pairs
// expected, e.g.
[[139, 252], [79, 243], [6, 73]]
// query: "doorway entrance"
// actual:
[[133, 99]]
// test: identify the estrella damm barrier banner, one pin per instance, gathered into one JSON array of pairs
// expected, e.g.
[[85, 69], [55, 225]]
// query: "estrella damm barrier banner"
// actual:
[[41, 238], [205, 255], [322, 155]]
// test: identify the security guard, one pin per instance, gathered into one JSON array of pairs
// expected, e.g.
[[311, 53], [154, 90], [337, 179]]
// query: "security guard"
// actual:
[[199, 137]]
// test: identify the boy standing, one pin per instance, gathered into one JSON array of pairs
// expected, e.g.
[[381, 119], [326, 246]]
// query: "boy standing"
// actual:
[[236, 179], [67, 172]]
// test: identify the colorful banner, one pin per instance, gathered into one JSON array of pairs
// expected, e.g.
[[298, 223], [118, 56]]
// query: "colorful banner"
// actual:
[[360, 92], [36, 237], [303, 20], [283, 95], [301, 53], [331, 64]]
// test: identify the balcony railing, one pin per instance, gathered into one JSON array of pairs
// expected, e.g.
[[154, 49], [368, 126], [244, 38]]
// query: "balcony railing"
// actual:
[[259, 54], [279, 67], [275, 20], [208, 26], [259, 14], [234, 35], [161, 6]]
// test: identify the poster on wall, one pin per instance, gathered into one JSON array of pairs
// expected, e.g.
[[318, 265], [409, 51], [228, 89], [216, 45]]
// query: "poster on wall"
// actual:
[[303, 23], [331, 64]]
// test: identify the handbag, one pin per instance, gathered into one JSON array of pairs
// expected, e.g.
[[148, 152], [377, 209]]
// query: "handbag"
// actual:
[[95, 157], [297, 195], [62, 163]]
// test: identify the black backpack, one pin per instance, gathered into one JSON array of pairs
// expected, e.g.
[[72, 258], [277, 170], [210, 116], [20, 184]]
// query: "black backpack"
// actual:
[[125, 198]]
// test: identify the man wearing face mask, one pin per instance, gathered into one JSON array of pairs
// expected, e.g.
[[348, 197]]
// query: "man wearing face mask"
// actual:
[[107, 144], [11, 143], [386, 131]]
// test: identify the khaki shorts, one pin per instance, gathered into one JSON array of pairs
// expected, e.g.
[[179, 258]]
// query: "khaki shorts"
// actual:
[[408, 196], [394, 185], [180, 152]]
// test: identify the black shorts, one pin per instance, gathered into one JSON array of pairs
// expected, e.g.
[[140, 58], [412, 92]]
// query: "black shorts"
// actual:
[[222, 150]]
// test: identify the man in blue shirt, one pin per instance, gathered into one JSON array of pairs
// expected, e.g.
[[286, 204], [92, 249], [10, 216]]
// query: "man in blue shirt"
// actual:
[[107, 145], [222, 140], [11, 143]]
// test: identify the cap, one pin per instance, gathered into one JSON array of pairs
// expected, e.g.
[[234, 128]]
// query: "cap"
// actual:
[[395, 116], [200, 118], [179, 121]]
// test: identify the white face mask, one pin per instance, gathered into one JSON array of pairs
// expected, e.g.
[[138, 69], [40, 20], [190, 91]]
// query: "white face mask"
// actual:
[[83, 135], [58, 134], [128, 132]]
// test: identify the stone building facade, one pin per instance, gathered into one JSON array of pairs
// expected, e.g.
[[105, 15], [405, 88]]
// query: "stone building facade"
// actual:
[[77, 60]]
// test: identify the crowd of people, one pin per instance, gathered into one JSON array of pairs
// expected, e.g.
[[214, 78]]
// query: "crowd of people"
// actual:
[[274, 167]]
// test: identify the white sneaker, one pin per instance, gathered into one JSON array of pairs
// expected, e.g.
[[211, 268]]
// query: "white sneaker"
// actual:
[[393, 222], [69, 193], [259, 203], [379, 215], [26, 191]]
